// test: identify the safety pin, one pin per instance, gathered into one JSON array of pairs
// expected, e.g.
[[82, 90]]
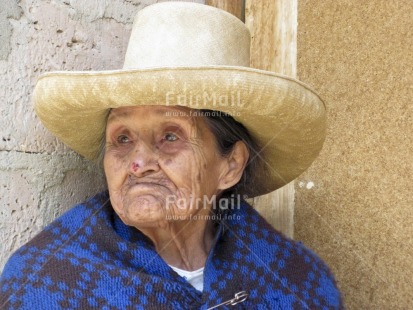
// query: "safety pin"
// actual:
[[238, 298]]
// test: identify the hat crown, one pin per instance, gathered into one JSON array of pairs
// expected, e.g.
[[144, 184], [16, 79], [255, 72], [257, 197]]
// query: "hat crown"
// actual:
[[183, 34]]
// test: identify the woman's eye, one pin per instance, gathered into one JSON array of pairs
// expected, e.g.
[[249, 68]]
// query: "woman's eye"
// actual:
[[170, 137], [122, 139]]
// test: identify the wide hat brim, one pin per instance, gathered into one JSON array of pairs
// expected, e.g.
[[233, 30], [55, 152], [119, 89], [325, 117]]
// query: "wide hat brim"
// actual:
[[286, 117]]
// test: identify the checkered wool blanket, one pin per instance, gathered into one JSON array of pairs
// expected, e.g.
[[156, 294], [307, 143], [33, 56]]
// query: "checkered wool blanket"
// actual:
[[88, 259]]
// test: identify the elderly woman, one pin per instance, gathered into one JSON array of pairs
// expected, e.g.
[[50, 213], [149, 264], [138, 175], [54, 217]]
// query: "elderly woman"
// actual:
[[183, 132]]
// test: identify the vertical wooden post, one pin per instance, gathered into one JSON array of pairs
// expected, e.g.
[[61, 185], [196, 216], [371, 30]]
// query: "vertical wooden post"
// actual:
[[235, 7], [273, 27]]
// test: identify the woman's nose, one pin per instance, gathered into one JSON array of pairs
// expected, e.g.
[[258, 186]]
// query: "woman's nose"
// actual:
[[144, 160]]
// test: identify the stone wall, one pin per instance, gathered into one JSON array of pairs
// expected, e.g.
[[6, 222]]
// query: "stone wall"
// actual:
[[40, 178]]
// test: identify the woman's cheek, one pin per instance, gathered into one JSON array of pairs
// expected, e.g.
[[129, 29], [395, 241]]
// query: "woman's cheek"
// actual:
[[172, 148], [115, 159], [115, 177], [116, 203]]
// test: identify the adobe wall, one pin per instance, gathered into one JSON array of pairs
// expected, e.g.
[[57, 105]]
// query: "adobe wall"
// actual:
[[354, 206]]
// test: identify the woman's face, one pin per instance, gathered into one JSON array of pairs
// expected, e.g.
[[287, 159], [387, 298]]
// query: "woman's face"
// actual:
[[161, 164]]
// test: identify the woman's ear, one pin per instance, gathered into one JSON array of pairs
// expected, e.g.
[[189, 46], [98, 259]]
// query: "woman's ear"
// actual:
[[236, 162]]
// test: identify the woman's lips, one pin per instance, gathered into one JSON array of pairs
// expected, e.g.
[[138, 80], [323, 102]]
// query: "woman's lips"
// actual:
[[132, 181], [154, 186], [145, 185], [148, 187]]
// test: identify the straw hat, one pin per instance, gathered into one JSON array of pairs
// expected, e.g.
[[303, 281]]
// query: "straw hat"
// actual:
[[195, 55]]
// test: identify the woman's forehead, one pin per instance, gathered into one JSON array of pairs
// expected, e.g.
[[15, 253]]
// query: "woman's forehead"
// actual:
[[166, 111], [160, 114]]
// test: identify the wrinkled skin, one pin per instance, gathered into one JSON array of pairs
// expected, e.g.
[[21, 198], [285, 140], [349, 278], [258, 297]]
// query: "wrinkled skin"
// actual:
[[160, 164]]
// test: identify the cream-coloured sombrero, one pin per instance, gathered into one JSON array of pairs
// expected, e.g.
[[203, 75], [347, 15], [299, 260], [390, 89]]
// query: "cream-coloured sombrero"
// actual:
[[195, 55]]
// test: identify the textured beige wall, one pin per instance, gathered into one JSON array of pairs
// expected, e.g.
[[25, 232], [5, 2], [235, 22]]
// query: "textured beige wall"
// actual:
[[355, 205]]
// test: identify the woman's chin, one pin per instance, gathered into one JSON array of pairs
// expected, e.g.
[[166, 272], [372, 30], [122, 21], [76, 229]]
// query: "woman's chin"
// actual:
[[143, 211]]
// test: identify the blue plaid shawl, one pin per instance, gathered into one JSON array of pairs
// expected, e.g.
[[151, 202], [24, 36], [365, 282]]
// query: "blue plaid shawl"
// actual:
[[88, 259]]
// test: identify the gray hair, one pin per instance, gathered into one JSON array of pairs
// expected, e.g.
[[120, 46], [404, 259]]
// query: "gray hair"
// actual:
[[227, 132]]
